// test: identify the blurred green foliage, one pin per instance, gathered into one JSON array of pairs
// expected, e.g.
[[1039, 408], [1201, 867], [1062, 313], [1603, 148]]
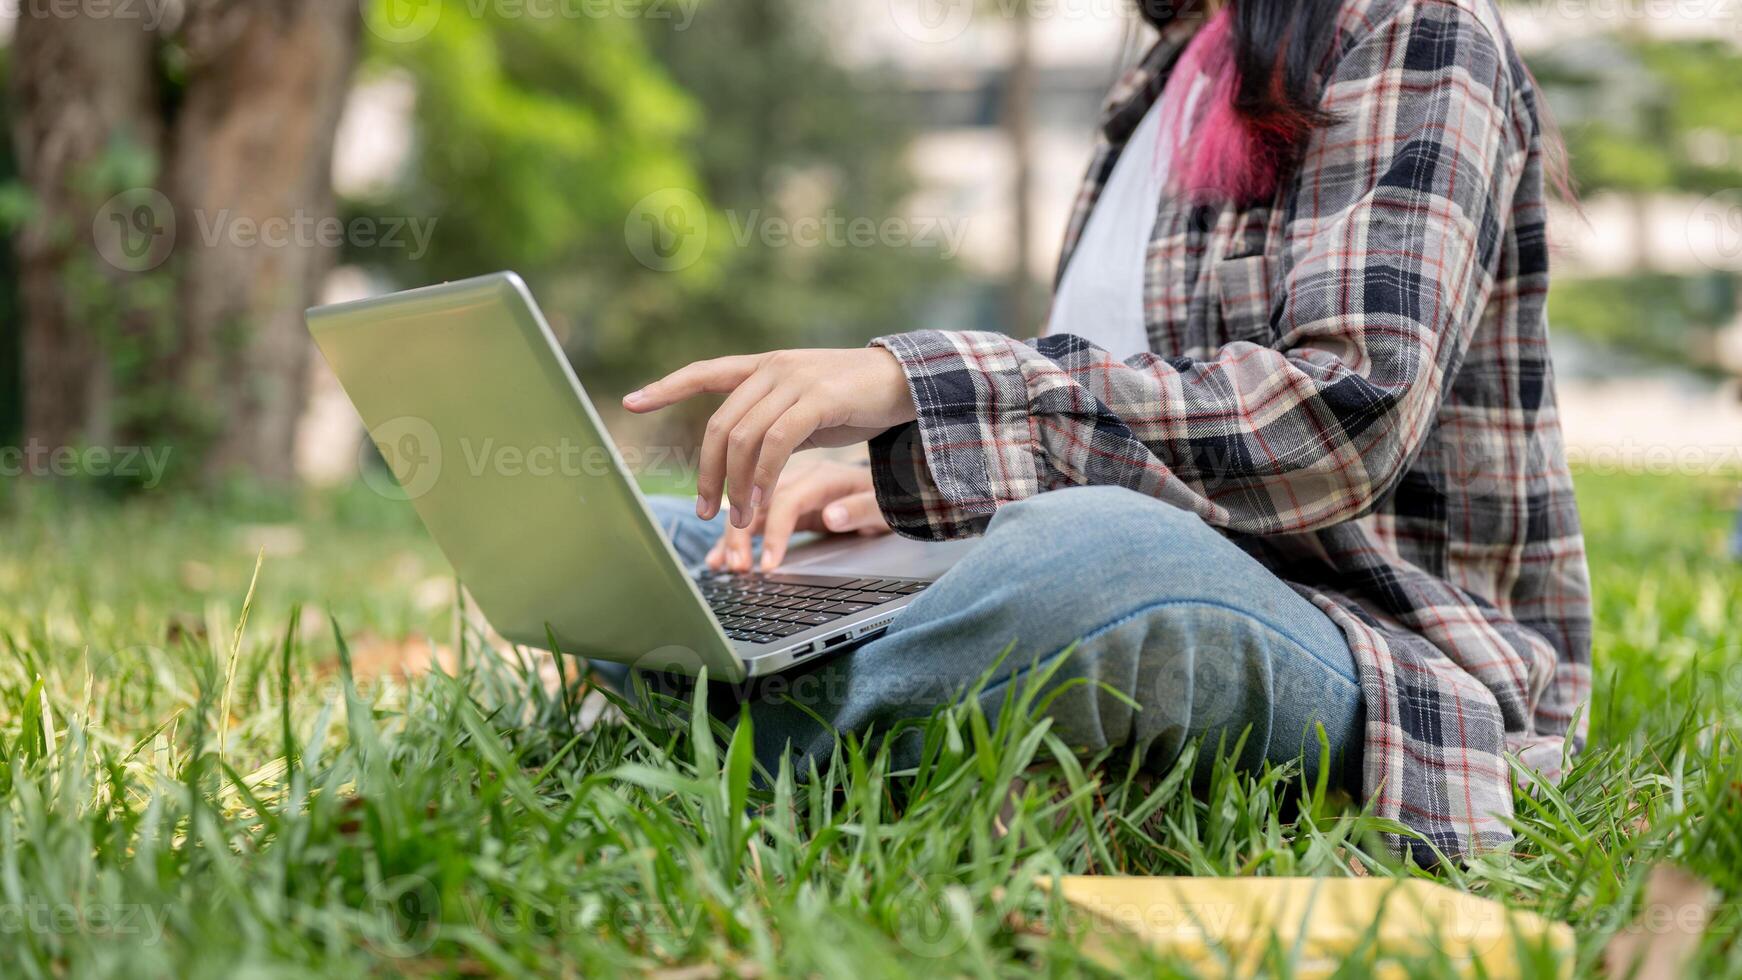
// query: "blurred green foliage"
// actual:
[[554, 144], [1646, 116], [11, 339], [1668, 319], [1643, 114], [789, 132], [535, 135]]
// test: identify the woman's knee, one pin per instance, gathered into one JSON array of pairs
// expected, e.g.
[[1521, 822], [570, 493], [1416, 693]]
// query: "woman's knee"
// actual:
[[1200, 671], [1100, 504], [1110, 525]]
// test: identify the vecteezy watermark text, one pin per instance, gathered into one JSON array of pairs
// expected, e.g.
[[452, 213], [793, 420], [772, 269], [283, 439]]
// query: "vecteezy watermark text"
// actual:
[[151, 14], [44, 918], [669, 230], [302, 230], [137, 229], [418, 459], [145, 464]]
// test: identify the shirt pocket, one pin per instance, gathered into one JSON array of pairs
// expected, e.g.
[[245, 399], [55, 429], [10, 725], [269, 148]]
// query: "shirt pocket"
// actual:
[[1240, 287]]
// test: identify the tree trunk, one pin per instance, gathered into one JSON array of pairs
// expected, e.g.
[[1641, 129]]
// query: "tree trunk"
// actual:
[[1018, 127], [209, 354], [84, 93], [252, 166]]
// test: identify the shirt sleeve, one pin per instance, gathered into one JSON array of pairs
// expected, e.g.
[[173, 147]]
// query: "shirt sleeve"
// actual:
[[1391, 258]]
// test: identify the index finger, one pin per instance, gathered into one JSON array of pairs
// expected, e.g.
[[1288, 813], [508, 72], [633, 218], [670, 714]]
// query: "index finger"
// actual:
[[734, 548], [784, 513], [716, 376], [797, 508]]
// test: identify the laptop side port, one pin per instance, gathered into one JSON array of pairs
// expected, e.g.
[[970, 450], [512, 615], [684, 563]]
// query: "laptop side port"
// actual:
[[870, 629]]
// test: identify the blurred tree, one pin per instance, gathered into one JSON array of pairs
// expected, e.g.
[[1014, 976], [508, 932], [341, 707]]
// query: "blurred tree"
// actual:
[[1642, 117], [11, 348], [535, 138], [84, 91], [1669, 319], [1645, 116], [791, 136], [155, 308], [1017, 120], [252, 141], [642, 176]]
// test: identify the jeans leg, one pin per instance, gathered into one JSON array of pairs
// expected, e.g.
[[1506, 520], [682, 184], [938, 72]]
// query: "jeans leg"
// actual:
[[691, 537], [1139, 597]]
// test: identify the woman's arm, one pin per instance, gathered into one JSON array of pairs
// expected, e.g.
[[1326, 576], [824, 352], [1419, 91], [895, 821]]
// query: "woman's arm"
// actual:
[[1392, 259], [776, 404], [1393, 252]]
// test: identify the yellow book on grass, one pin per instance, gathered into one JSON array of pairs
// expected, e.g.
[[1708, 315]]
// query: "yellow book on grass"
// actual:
[[1229, 925]]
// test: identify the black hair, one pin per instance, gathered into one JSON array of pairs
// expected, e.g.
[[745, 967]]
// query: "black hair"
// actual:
[[1280, 47]]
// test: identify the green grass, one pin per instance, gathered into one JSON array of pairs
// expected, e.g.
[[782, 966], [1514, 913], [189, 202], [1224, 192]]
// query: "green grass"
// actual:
[[461, 824]]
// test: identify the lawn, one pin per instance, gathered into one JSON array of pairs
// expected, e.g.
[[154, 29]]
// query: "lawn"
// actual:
[[193, 785]]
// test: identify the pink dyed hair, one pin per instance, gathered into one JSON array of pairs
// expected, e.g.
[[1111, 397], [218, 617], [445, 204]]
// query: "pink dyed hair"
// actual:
[[1223, 154], [1227, 155]]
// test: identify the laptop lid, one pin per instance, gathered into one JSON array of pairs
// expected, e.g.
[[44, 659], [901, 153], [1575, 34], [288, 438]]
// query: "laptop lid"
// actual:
[[491, 438]]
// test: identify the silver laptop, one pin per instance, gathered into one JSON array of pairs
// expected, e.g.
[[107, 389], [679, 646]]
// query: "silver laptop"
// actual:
[[491, 438]]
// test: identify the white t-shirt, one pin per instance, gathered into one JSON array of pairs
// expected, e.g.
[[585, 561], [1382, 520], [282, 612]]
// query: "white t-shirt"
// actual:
[[1100, 297]]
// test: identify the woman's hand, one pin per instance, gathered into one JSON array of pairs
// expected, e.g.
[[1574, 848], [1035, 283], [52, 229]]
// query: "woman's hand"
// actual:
[[813, 495], [778, 403]]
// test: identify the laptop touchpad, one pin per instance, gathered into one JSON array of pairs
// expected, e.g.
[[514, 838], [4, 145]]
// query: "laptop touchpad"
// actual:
[[890, 555]]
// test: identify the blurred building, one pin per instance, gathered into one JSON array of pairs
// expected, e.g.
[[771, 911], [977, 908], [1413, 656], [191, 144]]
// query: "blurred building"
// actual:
[[955, 72]]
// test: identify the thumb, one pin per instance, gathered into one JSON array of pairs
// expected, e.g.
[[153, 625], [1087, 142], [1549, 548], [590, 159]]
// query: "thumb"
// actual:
[[854, 512]]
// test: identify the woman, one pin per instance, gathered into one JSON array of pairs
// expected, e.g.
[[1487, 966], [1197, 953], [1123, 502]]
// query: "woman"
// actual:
[[1286, 455]]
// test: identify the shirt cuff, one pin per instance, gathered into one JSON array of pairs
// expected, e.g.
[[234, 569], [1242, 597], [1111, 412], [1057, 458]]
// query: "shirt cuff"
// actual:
[[972, 447]]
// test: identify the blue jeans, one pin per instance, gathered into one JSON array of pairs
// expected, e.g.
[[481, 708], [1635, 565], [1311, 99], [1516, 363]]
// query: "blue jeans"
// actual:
[[1145, 599]]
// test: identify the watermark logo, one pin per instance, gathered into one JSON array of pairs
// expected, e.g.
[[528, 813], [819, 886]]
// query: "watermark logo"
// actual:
[[417, 457], [932, 21], [1462, 928], [1195, 685], [1714, 230], [662, 679], [930, 922], [412, 451], [402, 21], [1474, 459], [134, 231], [667, 230], [411, 909]]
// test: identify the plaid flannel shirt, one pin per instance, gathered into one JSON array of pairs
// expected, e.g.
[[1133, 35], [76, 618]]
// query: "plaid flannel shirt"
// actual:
[[1352, 382]]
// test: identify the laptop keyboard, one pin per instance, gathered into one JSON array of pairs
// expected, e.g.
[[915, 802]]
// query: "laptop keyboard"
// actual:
[[767, 608]]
